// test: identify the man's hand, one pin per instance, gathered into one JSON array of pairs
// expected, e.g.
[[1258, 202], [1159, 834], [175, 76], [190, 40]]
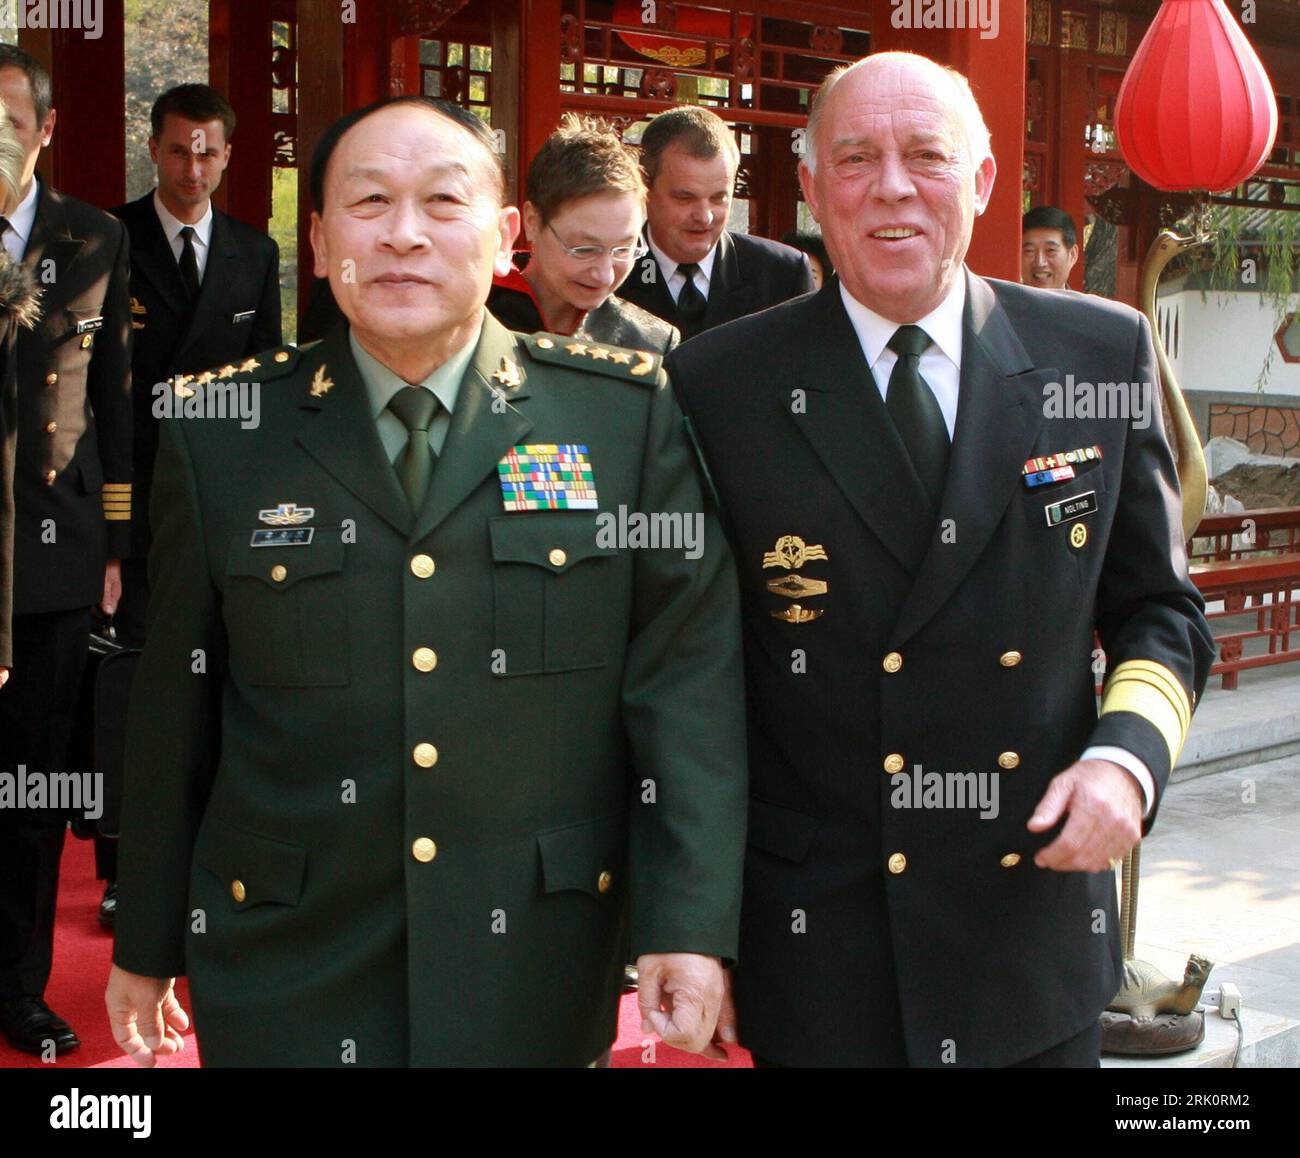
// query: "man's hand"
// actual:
[[726, 1031], [689, 987], [112, 587], [1105, 806], [146, 1019]]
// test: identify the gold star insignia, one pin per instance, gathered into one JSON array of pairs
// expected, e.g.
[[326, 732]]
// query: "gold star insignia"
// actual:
[[622, 357], [181, 387], [248, 365], [576, 348], [226, 371], [600, 353], [320, 384], [508, 374], [206, 377], [645, 365]]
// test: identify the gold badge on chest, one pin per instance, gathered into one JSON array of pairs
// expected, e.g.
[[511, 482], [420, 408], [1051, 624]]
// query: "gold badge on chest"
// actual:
[[792, 552]]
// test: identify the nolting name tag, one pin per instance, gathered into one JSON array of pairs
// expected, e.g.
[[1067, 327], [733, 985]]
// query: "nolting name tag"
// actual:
[[283, 537], [1074, 507], [90, 325], [246, 316]]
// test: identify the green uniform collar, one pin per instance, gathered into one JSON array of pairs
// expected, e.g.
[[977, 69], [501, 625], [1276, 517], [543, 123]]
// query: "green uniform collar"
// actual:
[[381, 383]]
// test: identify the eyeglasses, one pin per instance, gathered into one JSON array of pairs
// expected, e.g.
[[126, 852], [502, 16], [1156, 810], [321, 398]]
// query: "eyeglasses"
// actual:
[[588, 253]]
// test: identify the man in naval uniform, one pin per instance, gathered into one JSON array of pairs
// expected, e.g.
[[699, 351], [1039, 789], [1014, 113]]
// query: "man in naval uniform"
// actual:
[[927, 540], [416, 749]]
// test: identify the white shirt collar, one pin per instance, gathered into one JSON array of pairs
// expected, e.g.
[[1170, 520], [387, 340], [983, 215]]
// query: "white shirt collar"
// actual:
[[23, 219], [943, 323], [669, 266], [172, 225]]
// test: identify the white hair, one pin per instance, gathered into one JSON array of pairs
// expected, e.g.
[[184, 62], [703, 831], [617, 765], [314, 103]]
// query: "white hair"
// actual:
[[978, 143]]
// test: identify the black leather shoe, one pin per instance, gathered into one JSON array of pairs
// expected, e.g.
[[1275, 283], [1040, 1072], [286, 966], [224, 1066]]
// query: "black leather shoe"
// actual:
[[108, 906], [30, 1024]]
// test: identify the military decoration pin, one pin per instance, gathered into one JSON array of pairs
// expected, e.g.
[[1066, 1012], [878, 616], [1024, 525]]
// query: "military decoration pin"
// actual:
[[789, 553], [508, 375], [321, 383], [287, 515], [547, 477]]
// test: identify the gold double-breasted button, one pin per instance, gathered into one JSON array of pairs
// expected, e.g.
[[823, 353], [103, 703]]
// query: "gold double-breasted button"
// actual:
[[892, 662], [1008, 760], [894, 763], [424, 659], [51, 379], [1010, 658], [423, 849], [897, 863], [51, 427], [238, 891], [422, 566], [425, 755], [604, 881], [1010, 860], [557, 557], [279, 572]]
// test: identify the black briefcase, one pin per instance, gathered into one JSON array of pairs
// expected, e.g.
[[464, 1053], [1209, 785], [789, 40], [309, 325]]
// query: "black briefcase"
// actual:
[[99, 738]]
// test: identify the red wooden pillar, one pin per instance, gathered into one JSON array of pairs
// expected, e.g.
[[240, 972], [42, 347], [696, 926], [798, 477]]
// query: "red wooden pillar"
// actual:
[[239, 67], [1071, 157], [539, 65], [87, 156]]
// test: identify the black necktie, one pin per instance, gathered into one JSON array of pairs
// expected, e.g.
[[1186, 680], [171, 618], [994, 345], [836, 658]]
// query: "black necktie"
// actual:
[[916, 413], [690, 302], [189, 264], [416, 407]]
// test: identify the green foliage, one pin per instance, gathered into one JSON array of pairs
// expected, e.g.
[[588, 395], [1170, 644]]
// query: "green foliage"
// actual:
[[166, 45]]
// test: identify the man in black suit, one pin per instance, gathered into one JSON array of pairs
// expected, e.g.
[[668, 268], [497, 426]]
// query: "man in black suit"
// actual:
[[927, 537], [205, 288], [697, 274], [72, 494]]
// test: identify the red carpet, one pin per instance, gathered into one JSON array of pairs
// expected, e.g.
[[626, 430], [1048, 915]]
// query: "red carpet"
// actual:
[[82, 952]]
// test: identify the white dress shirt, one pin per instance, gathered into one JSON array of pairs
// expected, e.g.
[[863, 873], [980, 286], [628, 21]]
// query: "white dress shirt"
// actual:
[[172, 227], [673, 276], [21, 222], [940, 366]]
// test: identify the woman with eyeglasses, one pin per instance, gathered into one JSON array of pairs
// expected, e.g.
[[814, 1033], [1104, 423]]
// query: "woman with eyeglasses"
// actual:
[[583, 217]]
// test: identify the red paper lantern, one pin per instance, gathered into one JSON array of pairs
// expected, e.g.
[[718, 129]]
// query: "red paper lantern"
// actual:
[[1196, 109]]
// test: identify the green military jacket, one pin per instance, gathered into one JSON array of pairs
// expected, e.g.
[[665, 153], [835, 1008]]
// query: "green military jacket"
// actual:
[[405, 790]]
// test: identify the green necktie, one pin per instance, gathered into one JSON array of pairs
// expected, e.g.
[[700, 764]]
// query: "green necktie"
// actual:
[[916, 413], [416, 407]]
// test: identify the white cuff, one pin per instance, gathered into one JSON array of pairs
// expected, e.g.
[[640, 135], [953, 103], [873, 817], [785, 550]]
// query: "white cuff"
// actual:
[[1126, 760]]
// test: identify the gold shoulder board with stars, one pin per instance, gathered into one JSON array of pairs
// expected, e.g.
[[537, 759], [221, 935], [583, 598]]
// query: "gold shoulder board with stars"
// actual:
[[583, 354]]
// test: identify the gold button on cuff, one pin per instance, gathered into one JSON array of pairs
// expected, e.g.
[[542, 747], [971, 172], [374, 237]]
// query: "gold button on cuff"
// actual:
[[424, 659], [238, 891], [892, 662], [1010, 658], [424, 850], [603, 882], [897, 863], [50, 476], [1011, 860], [894, 763], [51, 379], [279, 572], [425, 755], [1008, 760], [51, 427], [557, 557], [422, 566]]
